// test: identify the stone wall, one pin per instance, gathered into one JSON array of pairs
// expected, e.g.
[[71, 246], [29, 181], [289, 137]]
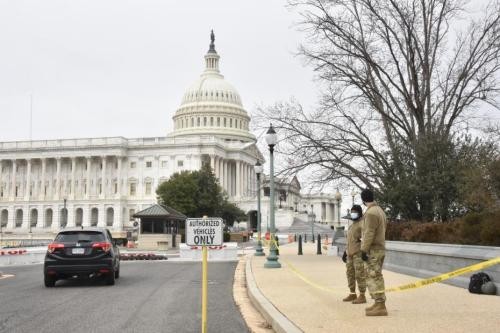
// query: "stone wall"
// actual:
[[157, 242], [428, 259]]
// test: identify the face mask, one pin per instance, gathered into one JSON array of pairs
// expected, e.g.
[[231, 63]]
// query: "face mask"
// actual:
[[354, 216]]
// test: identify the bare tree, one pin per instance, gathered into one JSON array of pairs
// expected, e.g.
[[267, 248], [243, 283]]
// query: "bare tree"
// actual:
[[394, 85]]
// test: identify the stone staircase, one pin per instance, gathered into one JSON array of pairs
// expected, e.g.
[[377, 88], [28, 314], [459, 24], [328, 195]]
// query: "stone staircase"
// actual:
[[301, 227]]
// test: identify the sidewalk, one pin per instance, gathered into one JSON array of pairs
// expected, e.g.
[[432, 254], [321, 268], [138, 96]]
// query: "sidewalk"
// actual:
[[434, 308]]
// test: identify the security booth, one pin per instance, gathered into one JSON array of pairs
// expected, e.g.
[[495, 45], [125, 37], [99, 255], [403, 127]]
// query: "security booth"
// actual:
[[160, 228]]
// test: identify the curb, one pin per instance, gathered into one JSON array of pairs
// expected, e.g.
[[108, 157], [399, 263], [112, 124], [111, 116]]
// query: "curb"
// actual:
[[276, 319]]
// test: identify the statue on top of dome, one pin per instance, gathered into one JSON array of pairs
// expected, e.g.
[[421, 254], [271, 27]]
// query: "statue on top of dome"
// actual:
[[212, 40]]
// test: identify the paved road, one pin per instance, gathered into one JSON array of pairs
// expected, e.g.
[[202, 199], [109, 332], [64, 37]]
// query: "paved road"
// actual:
[[148, 297]]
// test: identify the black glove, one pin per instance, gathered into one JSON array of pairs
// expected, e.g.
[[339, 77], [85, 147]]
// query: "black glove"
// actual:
[[344, 257], [364, 256]]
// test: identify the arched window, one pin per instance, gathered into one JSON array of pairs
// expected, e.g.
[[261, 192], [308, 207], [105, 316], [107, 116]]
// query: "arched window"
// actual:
[[204, 121], [230, 122], [198, 121], [218, 122], [211, 121], [78, 217], [192, 122], [19, 218], [94, 217], [110, 216], [224, 121], [4, 218]]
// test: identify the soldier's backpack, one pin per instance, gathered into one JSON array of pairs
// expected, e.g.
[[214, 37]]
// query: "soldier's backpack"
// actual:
[[476, 282]]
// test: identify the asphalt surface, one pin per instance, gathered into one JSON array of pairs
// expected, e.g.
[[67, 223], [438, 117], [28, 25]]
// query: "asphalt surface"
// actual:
[[148, 297]]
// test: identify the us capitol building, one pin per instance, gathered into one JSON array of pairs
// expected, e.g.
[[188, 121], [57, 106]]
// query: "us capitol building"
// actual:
[[46, 185]]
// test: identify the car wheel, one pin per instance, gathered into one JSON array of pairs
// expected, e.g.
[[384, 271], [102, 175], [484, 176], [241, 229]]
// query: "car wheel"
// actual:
[[49, 282], [110, 279], [117, 273]]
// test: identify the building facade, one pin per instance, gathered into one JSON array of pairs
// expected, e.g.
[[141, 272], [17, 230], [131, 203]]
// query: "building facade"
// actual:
[[46, 185]]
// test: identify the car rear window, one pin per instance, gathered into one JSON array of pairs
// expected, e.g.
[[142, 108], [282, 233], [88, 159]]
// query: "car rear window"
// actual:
[[80, 236]]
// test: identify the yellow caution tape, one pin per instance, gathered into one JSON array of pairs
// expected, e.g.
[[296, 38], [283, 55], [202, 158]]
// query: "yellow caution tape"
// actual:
[[413, 285], [446, 276]]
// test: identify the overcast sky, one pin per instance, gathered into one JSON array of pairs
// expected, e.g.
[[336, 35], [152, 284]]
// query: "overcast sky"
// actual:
[[120, 68]]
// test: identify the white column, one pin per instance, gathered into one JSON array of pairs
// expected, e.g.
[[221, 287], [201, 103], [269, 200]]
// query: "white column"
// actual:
[[140, 189], [328, 212], [238, 179], [26, 217], [223, 174], [58, 178], [101, 221], [156, 179], [71, 215], [219, 170], [13, 183], [11, 221], [245, 180], [41, 218], [212, 163], [28, 180], [86, 216], [56, 212], [102, 195], [89, 164], [118, 222], [216, 166], [230, 179], [119, 177], [44, 170], [73, 170]]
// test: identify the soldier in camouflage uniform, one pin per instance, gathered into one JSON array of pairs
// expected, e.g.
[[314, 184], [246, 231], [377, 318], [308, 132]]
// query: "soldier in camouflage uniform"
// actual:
[[355, 268], [373, 252]]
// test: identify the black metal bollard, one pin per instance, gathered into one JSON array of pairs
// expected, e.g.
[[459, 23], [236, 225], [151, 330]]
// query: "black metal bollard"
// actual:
[[319, 245], [295, 237], [300, 245], [313, 237], [305, 238]]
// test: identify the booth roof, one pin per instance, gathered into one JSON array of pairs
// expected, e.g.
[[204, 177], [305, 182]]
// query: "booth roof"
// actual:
[[157, 210]]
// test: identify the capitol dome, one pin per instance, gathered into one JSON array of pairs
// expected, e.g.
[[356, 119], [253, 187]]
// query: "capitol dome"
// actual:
[[212, 106]]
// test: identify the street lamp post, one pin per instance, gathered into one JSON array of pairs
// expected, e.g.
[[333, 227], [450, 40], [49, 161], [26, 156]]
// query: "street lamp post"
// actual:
[[65, 214], [258, 251], [272, 258]]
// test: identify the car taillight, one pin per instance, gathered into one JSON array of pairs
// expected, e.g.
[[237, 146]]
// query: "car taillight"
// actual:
[[54, 246], [105, 246]]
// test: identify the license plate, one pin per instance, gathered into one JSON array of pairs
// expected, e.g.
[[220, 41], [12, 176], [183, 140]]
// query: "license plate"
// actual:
[[78, 250]]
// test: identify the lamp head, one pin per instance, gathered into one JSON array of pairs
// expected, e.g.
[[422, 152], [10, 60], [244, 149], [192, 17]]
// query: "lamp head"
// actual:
[[258, 168], [271, 137]]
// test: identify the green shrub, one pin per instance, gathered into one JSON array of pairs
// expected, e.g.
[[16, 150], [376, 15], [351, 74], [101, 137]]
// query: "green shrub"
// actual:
[[473, 229]]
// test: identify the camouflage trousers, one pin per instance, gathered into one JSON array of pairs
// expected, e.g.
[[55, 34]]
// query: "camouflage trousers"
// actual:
[[374, 277], [355, 271]]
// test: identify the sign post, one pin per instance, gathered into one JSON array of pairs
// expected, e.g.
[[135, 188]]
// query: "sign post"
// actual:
[[206, 231]]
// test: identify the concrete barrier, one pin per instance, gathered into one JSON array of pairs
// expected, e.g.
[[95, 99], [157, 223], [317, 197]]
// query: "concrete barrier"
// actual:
[[429, 259], [17, 256]]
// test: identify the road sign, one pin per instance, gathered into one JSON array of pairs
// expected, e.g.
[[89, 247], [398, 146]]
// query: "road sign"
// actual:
[[204, 231]]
